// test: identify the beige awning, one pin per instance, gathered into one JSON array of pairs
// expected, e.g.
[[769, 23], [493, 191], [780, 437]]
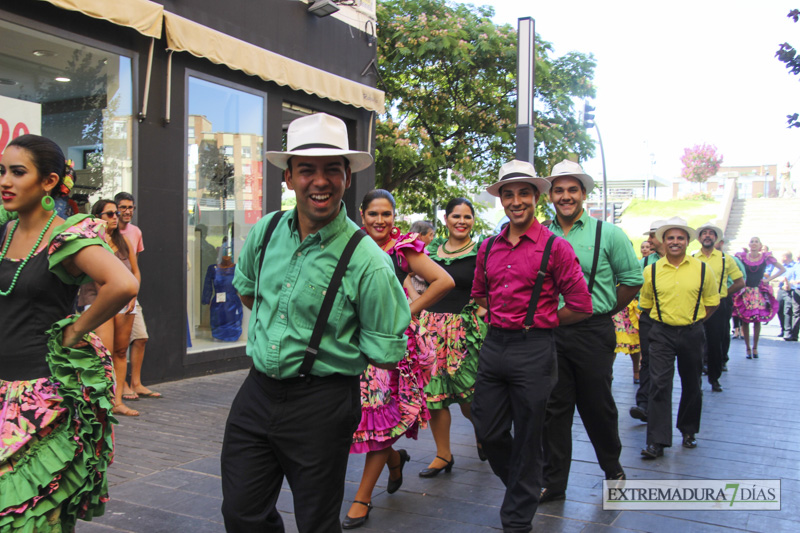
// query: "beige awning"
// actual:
[[183, 35], [142, 15]]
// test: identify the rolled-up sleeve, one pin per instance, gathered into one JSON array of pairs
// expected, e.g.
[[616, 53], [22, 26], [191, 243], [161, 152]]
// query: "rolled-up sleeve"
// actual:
[[244, 277], [384, 316], [710, 292], [569, 278], [624, 264]]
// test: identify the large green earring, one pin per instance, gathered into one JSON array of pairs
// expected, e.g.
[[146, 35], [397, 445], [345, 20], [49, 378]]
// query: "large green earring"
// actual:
[[48, 203]]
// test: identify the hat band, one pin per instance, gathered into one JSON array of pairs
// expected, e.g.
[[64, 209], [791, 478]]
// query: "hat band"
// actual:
[[516, 175], [312, 146]]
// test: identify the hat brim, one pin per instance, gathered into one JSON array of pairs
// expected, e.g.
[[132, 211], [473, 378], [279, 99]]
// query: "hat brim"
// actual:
[[358, 160], [663, 229], [717, 231], [541, 184], [586, 180]]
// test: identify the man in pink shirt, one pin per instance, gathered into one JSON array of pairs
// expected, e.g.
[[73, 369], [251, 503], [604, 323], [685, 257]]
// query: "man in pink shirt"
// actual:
[[519, 276], [126, 206]]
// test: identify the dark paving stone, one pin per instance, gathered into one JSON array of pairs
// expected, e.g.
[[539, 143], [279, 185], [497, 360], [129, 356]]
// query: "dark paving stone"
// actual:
[[130, 517]]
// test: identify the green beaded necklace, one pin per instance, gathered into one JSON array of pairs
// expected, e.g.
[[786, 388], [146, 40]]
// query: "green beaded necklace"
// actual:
[[445, 250], [24, 261]]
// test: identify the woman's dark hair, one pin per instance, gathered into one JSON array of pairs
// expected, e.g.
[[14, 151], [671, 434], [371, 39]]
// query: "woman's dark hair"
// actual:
[[47, 157], [455, 202], [116, 237], [376, 194]]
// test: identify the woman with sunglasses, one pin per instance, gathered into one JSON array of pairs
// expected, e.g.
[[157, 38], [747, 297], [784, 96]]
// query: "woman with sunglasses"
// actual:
[[56, 381], [392, 401], [115, 332]]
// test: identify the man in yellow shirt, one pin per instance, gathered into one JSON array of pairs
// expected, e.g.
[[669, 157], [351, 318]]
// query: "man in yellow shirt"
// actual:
[[679, 292], [716, 327]]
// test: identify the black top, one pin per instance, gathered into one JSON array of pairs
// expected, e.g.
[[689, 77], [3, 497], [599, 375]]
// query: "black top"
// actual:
[[462, 269], [754, 277], [38, 300], [398, 270]]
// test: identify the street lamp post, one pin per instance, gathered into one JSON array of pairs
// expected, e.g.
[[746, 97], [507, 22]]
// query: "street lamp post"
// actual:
[[526, 59], [589, 122]]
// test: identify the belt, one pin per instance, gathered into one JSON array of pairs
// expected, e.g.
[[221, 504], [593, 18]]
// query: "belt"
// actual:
[[300, 380], [505, 332], [670, 326]]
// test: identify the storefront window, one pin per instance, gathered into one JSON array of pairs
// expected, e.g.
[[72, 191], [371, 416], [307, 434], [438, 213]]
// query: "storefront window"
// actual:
[[224, 193], [77, 95]]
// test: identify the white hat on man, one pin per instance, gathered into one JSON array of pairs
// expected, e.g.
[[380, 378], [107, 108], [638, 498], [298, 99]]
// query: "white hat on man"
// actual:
[[572, 169], [717, 231], [676, 223], [319, 135], [516, 171]]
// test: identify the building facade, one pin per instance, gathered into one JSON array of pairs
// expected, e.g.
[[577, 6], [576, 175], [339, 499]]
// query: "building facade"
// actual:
[[177, 102]]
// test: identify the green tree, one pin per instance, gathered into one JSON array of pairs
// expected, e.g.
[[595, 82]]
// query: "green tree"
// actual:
[[450, 78], [700, 162], [787, 54]]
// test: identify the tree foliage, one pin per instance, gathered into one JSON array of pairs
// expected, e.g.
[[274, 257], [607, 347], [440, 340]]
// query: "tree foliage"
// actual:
[[450, 81], [787, 54], [700, 162]]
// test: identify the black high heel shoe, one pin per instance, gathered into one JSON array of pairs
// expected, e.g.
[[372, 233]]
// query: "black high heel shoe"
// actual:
[[433, 472], [352, 523], [394, 484]]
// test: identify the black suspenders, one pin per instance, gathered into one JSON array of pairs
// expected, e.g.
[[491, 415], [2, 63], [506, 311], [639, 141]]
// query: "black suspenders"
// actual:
[[330, 295], [722, 275], [596, 254], [537, 287], [699, 293]]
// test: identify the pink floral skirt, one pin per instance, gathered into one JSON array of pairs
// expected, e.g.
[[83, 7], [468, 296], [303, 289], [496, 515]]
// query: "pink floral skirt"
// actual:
[[755, 304]]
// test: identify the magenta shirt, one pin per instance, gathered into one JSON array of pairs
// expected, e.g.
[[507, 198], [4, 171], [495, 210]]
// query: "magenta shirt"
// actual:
[[512, 274]]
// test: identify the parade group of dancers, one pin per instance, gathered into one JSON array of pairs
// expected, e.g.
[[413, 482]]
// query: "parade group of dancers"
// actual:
[[382, 363]]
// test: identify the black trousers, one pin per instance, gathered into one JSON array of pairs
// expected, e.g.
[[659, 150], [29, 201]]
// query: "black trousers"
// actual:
[[643, 392], [726, 310], [716, 329], [784, 299], [585, 360], [516, 372], [666, 344], [795, 329], [298, 429]]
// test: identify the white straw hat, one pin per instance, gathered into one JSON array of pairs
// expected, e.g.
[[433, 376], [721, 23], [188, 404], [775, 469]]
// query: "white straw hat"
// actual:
[[712, 227], [676, 223], [569, 168], [654, 225], [516, 171], [319, 135]]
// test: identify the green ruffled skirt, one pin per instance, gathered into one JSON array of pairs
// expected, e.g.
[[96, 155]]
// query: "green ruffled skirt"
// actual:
[[448, 345], [56, 439]]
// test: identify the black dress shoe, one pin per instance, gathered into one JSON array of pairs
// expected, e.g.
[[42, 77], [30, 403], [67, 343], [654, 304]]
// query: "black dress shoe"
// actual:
[[433, 472], [638, 413], [653, 451], [394, 484], [352, 523], [548, 495], [689, 441], [617, 476], [481, 453], [724, 367], [715, 386]]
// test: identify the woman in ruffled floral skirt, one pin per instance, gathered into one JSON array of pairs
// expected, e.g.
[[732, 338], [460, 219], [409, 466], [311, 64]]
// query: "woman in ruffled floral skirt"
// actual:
[[392, 401], [56, 378]]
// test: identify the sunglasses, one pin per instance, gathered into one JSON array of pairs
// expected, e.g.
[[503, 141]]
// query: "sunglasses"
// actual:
[[110, 214]]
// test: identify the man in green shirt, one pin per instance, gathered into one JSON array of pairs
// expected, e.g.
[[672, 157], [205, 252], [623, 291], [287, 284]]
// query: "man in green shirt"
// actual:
[[296, 412], [586, 349]]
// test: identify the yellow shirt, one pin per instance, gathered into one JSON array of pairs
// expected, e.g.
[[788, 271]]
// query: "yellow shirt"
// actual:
[[715, 262], [678, 289]]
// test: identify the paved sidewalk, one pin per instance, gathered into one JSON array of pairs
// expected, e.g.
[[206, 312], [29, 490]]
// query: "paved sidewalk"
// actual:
[[166, 474]]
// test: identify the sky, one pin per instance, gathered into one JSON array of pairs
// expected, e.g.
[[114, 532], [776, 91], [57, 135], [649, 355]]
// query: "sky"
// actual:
[[671, 75]]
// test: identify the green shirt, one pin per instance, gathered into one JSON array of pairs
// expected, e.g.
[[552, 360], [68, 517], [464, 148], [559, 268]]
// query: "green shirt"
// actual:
[[617, 263], [738, 264], [369, 316], [644, 262]]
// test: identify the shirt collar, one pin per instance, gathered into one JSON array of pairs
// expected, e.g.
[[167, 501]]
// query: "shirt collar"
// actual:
[[533, 232], [330, 230], [581, 222]]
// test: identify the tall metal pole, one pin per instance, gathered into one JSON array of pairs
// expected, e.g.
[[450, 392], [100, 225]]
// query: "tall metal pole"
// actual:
[[605, 182], [526, 59]]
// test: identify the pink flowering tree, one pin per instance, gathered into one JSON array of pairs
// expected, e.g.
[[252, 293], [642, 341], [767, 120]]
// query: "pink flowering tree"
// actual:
[[700, 162]]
